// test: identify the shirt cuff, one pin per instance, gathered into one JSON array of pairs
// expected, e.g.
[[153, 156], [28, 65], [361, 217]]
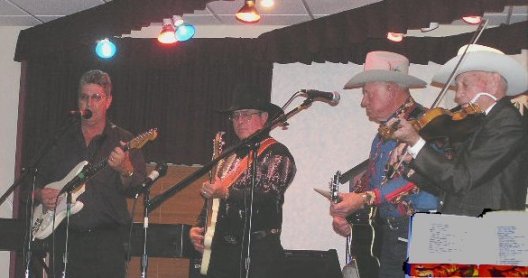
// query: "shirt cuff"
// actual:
[[416, 148]]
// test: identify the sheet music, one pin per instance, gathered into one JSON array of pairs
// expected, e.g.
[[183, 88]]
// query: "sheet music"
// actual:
[[511, 237], [437, 238], [498, 238]]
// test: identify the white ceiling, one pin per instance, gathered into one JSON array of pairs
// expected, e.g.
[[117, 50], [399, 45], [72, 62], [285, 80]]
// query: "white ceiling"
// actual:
[[285, 12]]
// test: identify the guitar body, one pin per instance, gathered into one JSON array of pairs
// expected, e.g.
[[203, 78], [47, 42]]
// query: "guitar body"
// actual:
[[43, 218], [364, 244], [208, 238]]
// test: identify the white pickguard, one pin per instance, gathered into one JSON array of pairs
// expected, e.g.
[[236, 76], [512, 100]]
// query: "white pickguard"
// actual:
[[43, 218]]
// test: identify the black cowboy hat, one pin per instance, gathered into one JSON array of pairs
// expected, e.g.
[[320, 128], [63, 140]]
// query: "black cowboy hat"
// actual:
[[249, 96]]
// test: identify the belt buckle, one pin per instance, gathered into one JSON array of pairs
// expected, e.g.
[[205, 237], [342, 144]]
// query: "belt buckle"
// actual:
[[230, 239], [389, 223]]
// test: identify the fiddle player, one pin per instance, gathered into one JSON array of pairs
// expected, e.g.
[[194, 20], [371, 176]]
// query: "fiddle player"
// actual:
[[386, 87], [275, 169], [490, 168]]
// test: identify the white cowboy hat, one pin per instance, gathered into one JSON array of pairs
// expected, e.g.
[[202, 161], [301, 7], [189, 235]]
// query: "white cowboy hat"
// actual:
[[385, 66], [483, 58]]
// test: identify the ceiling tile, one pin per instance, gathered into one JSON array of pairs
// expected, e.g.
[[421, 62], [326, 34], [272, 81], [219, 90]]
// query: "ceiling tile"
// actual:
[[201, 19], [268, 20], [280, 7], [332, 7], [18, 21], [56, 7], [7, 8]]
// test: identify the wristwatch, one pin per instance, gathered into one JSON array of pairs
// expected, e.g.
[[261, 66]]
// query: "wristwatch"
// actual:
[[368, 197]]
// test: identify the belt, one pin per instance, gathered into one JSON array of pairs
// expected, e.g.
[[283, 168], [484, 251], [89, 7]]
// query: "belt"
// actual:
[[101, 228], [264, 233], [234, 239]]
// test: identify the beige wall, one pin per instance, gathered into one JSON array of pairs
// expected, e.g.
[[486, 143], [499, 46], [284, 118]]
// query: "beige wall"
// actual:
[[10, 81]]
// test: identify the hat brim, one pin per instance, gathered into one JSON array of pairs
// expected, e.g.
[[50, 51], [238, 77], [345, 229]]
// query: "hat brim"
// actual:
[[384, 76], [272, 109], [512, 71]]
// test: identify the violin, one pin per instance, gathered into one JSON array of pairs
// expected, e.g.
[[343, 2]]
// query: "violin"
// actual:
[[456, 124]]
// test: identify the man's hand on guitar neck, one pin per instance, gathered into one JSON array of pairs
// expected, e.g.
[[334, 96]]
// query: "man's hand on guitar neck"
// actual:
[[47, 197], [350, 203], [215, 190], [119, 160], [197, 238], [341, 226]]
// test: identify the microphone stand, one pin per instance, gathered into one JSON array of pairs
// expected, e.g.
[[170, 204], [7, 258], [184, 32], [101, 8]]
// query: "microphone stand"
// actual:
[[279, 120], [33, 169], [144, 257], [253, 152], [68, 212]]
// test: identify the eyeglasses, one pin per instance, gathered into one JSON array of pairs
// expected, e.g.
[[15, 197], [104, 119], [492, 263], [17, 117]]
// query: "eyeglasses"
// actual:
[[94, 97], [243, 115]]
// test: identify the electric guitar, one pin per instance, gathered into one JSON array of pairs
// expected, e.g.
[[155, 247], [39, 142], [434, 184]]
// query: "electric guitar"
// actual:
[[43, 224], [213, 205]]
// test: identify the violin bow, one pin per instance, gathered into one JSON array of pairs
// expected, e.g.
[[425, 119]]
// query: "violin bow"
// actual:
[[480, 29], [474, 39]]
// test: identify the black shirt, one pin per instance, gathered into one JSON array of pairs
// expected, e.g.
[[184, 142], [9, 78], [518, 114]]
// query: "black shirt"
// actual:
[[105, 196]]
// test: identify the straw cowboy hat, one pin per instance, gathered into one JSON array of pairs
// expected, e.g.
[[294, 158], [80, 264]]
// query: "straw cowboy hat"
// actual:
[[385, 66], [249, 96], [483, 58]]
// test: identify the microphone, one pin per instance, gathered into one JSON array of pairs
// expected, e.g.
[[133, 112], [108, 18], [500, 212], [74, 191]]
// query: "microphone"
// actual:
[[158, 172], [331, 97], [86, 114]]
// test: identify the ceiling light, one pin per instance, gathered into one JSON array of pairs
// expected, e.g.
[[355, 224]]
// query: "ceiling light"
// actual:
[[395, 37], [177, 20], [166, 35], [248, 13], [184, 32], [472, 19], [266, 3], [432, 26], [105, 49]]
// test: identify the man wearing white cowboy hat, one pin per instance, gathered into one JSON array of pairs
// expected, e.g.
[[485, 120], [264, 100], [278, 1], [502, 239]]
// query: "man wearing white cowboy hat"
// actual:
[[385, 83], [490, 168], [275, 169]]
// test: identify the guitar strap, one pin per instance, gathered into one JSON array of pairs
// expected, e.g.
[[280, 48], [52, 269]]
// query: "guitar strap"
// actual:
[[246, 162]]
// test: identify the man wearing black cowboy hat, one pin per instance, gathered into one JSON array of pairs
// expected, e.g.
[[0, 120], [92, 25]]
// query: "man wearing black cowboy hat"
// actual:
[[275, 169]]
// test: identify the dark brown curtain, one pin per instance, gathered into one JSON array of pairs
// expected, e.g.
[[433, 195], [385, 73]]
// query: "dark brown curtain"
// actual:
[[176, 89]]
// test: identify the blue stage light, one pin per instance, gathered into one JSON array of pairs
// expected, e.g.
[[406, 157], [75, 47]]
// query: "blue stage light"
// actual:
[[184, 32], [105, 49]]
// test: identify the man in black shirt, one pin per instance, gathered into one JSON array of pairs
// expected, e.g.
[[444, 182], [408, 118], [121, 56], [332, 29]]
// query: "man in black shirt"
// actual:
[[95, 244], [275, 169]]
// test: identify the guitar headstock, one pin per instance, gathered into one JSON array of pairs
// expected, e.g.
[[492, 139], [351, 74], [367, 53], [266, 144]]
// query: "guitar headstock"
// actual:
[[218, 144], [334, 188], [139, 141]]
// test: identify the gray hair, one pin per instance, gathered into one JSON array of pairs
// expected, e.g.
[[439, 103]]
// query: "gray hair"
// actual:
[[98, 77]]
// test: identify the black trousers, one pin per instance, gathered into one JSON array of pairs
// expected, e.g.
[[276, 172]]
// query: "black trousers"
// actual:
[[266, 259], [92, 254]]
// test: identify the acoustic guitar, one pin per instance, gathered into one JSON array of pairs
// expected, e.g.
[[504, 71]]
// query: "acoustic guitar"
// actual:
[[212, 206]]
